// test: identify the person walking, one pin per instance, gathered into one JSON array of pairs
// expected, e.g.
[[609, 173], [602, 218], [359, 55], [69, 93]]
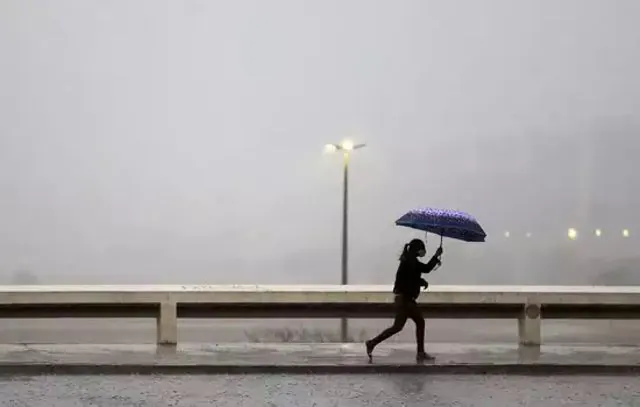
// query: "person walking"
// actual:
[[406, 290]]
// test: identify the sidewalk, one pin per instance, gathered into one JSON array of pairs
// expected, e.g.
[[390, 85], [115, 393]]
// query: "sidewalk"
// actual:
[[314, 359]]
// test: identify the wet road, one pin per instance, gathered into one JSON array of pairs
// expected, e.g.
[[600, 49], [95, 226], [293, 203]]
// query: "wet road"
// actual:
[[315, 359], [318, 391]]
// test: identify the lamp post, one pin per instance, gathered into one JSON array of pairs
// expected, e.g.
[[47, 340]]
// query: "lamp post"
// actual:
[[346, 147]]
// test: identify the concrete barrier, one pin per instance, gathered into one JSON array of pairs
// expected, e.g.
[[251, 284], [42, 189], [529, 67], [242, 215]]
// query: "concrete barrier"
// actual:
[[527, 304]]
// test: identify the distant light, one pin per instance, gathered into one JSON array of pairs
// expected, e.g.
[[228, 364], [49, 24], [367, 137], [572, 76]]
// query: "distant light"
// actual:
[[598, 232], [347, 145], [572, 234], [626, 233], [528, 234], [330, 148], [507, 234]]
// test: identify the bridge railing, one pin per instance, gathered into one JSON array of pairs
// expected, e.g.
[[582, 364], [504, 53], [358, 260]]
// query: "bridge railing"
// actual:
[[167, 303]]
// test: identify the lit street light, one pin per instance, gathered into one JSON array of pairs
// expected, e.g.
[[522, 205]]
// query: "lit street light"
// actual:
[[346, 147]]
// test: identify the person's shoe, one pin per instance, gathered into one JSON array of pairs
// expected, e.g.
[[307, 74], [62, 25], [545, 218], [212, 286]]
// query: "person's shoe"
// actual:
[[369, 347], [424, 357]]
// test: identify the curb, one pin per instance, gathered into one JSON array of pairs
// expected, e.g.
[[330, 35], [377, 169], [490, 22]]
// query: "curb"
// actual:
[[33, 369]]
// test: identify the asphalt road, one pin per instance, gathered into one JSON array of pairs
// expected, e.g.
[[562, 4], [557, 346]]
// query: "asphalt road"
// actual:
[[318, 391]]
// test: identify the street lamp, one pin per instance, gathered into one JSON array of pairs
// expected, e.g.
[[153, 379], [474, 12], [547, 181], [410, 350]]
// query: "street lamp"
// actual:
[[346, 147]]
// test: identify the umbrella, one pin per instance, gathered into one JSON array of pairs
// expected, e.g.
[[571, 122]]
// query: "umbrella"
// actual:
[[444, 222]]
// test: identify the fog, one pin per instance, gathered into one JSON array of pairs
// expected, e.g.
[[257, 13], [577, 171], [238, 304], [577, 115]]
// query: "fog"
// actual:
[[182, 141]]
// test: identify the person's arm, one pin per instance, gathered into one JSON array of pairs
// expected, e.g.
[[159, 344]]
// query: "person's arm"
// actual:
[[431, 264]]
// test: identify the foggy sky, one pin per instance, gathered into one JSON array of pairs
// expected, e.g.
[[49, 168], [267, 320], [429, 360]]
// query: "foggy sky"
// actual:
[[182, 141]]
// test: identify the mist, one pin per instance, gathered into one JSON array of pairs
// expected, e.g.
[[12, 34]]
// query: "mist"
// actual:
[[182, 142]]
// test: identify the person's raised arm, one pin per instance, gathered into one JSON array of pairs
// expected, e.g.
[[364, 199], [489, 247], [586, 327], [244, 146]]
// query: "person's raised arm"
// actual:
[[431, 264]]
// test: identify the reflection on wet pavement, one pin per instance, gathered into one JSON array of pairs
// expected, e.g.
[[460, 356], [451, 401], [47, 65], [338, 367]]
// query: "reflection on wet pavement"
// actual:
[[318, 391]]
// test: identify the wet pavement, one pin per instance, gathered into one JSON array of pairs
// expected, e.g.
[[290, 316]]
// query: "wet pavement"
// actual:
[[316, 375], [239, 358], [390, 390]]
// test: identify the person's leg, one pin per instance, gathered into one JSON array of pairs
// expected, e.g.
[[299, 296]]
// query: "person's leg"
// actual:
[[413, 311], [415, 314], [398, 323]]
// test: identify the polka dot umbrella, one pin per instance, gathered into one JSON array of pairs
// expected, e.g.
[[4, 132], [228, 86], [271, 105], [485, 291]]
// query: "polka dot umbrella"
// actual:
[[445, 223]]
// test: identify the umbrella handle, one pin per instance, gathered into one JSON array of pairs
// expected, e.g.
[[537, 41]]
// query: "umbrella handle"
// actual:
[[441, 238]]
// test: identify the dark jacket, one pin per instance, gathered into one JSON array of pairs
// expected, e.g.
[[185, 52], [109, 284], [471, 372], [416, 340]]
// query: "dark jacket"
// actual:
[[409, 275]]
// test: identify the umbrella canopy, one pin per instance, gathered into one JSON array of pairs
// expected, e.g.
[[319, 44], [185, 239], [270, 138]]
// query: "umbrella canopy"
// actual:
[[444, 222]]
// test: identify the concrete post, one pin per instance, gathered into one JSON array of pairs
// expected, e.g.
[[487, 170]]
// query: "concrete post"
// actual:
[[167, 327], [529, 325]]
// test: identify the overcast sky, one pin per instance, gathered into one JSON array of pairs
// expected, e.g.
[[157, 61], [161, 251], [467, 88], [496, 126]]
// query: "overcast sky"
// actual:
[[182, 141]]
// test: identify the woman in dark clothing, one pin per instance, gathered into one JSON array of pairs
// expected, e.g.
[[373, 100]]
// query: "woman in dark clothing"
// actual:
[[407, 289]]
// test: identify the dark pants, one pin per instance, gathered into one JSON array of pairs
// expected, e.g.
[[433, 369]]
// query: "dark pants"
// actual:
[[405, 308]]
